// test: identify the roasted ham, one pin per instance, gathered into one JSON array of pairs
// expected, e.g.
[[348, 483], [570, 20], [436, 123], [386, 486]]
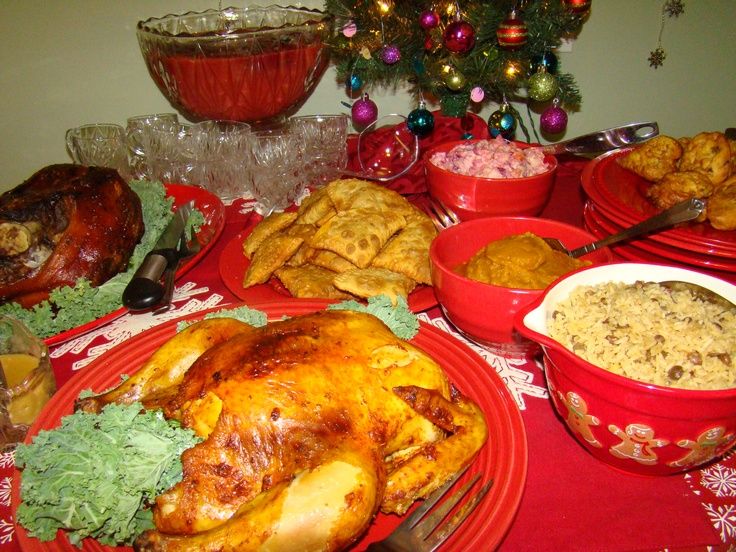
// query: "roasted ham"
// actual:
[[64, 223]]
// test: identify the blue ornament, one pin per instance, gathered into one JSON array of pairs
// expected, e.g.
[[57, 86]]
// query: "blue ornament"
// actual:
[[354, 82], [502, 122], [467, 136], [420, 122], [548, 60]]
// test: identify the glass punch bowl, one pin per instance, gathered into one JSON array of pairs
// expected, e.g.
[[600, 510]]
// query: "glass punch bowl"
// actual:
[[255, 64]]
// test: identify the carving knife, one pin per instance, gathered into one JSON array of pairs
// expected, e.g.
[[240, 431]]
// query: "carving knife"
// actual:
[[145, 289]]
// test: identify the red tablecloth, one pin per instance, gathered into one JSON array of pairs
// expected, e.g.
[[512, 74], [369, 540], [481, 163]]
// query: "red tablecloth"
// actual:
[[571, 501]]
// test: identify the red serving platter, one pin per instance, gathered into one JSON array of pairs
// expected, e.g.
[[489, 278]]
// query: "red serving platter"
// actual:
[[233, 265], [605, 227], [214, 221], [619, 194], [631, 252], [503, 458]]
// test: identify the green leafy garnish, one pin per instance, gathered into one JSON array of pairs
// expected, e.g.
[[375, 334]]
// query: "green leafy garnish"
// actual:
[[399, 318], [95, 474], [71, 306], [250, 316]]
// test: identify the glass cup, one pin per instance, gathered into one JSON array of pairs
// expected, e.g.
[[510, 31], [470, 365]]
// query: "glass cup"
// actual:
[[135, 138], [223, 153], [325, 143], [278, 172], [101, 145], [171, 150], [26, 380]]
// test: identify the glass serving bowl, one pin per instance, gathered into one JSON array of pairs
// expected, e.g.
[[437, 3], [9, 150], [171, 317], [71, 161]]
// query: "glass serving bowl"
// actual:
[[256, 64]]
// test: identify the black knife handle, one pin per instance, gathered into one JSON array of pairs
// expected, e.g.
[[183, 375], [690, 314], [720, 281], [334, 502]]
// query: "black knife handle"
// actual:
[[145, 289]]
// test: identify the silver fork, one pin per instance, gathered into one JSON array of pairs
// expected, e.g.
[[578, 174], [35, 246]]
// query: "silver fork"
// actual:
[[441, 215], [418, 533]]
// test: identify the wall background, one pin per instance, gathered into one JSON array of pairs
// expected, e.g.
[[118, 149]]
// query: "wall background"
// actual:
[[69, 62]]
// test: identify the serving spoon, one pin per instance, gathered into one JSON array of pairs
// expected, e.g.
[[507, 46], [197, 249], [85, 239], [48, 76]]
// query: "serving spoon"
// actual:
[[681, 212], [699, 292]]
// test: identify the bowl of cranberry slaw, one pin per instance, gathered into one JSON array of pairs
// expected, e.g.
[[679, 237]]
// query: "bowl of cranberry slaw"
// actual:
[[490, 177]]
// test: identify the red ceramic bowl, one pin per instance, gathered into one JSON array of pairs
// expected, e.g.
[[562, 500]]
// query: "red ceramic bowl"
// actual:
[[474, 197], [633, 426], [484, 312]]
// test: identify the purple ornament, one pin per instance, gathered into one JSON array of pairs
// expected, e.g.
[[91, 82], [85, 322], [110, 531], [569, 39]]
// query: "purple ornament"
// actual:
[[364, 112], [429, 20], [553, 120], [390, 54]]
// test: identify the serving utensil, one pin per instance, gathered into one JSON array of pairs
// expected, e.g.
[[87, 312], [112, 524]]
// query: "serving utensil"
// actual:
[[425, 534], [145, 290], [699, 292], [681, 212], [184, 251], [606, 140]]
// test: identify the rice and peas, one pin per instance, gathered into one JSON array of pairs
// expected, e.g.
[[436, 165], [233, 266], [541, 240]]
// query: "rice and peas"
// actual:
[[649, 332]]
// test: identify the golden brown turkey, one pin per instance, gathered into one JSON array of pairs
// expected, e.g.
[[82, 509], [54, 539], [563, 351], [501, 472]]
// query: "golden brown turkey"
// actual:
[[64, 223], [311, 424]]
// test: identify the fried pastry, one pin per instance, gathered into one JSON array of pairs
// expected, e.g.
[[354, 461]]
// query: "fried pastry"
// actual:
[[710, 153], [305, 251], [316, 208], [408, 251], [357, 234], [268, 226], [679, 186], [310, 281], [654, 158], [272, 254], [343, 191], [350, 225], [722, 206], [332, 261], [368, 282]]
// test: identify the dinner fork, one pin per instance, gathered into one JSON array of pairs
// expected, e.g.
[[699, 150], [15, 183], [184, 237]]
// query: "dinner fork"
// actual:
[[418, 533], [441, 215]]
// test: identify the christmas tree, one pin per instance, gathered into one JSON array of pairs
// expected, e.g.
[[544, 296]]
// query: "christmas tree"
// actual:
[[462, 55]]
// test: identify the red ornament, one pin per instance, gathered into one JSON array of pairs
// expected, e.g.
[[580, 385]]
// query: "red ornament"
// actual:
[[577, 6], [459, 37], [512, 32]]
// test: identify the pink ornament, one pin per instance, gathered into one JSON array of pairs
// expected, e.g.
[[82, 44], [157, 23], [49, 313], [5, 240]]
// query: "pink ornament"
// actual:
[[459, 37], [349, 30], [429, 20], [477, 94], [364, 112], [553, 120]]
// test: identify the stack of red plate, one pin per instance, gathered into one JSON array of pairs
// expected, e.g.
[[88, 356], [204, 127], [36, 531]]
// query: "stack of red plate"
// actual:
[[616, 201]]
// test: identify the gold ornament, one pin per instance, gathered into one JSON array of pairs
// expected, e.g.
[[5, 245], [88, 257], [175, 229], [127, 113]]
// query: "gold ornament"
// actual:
[[454, 80], [384, 7]]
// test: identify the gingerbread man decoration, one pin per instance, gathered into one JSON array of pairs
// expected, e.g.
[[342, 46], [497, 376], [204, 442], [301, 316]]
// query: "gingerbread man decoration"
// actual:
[[578, 419], [705, 448], [636, 443]]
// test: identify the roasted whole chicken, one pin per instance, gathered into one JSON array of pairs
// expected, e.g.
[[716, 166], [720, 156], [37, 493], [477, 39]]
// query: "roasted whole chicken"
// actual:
[[64, 223], [310, 425]]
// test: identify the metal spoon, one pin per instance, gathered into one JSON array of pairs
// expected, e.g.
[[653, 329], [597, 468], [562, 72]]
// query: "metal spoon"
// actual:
[[699, 292], [606, 140], [684, 211]]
